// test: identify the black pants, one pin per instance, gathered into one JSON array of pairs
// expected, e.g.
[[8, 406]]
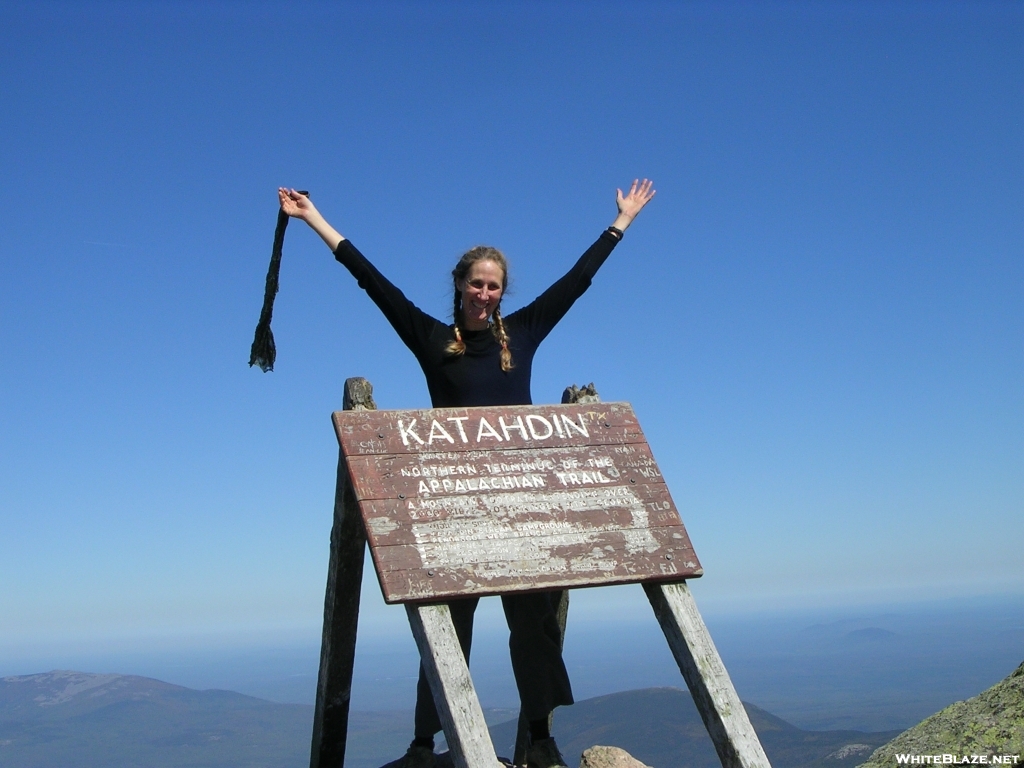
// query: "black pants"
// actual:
[[536, 652]]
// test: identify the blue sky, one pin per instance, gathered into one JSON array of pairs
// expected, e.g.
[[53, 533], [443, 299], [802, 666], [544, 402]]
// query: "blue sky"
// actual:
[[818, 320]]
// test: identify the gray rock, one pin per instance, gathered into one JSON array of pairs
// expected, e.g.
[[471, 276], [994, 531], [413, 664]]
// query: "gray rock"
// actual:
[[990, 724], [609, 757]]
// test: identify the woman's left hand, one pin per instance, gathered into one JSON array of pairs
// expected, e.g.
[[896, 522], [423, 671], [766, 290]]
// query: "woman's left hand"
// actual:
[[639, 195], [632, 202]]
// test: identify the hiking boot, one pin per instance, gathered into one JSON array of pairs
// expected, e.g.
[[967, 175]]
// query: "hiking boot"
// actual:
[[418, 757], [544, 754]]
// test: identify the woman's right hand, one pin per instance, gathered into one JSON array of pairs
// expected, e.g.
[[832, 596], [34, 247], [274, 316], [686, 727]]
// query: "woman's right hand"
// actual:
[[301, 207], [295, 203]]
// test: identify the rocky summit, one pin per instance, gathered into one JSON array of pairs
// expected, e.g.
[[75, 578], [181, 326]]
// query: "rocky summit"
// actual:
[[989, 725]]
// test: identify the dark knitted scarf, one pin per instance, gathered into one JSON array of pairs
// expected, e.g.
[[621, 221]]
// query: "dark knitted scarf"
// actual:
[[264, 351]]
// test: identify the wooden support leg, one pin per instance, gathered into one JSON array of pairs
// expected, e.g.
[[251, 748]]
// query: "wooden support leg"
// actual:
[[713, 693], [464, 728], [341, 614], [341, 608]]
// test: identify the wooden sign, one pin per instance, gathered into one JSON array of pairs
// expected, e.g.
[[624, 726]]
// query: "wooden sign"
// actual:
[[481, 501]]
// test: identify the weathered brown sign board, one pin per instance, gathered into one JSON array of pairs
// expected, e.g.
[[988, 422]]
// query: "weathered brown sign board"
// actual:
[[480, 501]]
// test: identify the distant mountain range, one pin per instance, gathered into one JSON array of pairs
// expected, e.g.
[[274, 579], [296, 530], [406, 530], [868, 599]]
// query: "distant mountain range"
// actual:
[[81, 720]]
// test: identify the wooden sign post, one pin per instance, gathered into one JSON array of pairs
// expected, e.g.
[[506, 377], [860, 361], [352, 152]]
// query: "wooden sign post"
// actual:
[[485, 501]]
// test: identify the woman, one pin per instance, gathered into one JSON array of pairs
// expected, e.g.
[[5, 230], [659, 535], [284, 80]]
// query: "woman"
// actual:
[[484, 358]]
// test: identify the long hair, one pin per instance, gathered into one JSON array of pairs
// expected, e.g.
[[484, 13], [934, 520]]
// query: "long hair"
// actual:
[[480, 253]]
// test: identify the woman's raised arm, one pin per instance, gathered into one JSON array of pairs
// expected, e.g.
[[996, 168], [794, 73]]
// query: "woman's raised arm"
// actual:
[[632, 203], [299, 206]]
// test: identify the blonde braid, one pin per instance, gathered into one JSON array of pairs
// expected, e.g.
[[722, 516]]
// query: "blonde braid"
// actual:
[[456, 346], [499, 333]]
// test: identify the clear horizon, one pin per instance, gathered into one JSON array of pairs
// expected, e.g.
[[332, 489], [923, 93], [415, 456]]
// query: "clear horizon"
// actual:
[[870, 667]]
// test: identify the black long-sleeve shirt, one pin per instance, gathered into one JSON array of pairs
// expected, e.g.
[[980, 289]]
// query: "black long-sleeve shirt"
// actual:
[[475, 378]]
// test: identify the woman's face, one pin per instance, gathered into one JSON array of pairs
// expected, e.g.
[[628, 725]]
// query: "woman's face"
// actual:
[[481, 292]]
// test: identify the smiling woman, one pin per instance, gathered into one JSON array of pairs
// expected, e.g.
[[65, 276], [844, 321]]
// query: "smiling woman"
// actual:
[[485, 359], [481, 278]]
